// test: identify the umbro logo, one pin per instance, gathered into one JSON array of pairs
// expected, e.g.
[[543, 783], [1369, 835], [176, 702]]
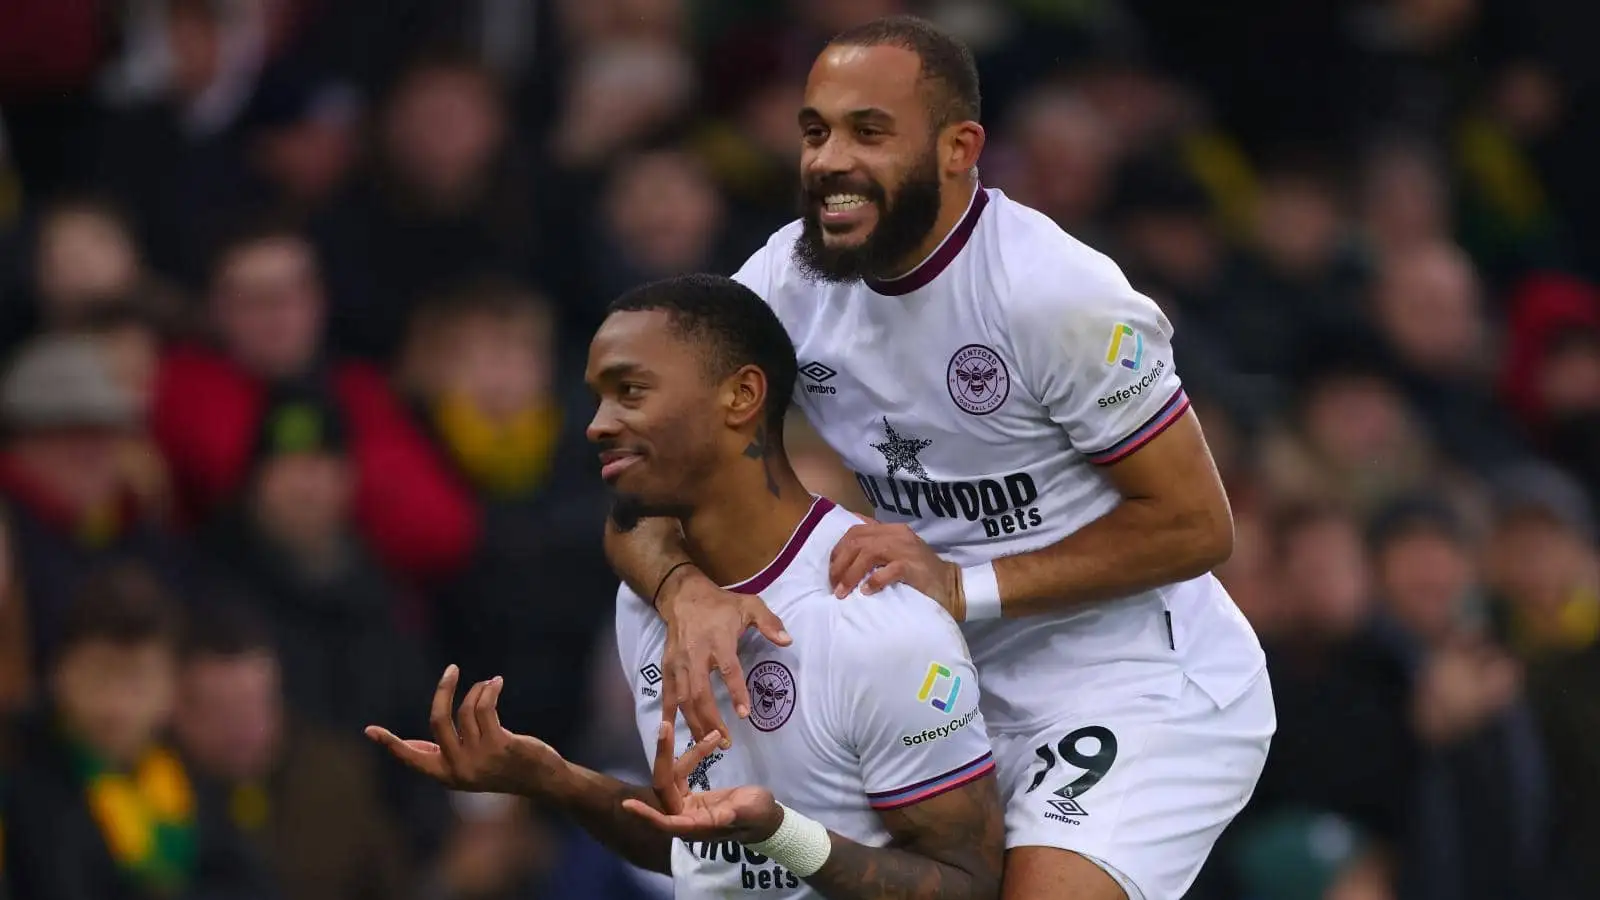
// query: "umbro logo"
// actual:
[[818, 374], [651, 674]]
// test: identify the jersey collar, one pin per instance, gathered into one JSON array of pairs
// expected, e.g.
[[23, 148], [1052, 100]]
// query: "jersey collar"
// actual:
[[942, 256], [802, 533]]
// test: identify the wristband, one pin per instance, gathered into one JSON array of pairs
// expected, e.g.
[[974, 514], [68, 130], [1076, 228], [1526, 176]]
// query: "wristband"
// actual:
[[655, 599], [800, 845], [982, 592]]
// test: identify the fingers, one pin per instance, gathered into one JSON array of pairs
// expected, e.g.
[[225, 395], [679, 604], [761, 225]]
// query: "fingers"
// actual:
[[885, 575], [853, 565], [663, 776], [686, 764], [423, 756], [768, 623], [487, 710], [466, 717], [444, 730], [702, 713], [652, 815]]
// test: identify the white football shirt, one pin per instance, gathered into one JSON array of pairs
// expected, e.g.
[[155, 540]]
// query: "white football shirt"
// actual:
[[873, 707], [976, 399]]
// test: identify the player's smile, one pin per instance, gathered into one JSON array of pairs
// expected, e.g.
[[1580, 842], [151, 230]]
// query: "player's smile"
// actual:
[[843, 213], [614, 462]]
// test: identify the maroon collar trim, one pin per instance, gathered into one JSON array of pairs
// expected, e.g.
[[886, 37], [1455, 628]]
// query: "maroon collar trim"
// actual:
[[802, 533], [941, 258]]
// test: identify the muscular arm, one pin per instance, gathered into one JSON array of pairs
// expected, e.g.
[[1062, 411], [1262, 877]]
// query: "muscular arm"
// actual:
[[594, 801], [951, 847], [644, 554], [1173, 523]]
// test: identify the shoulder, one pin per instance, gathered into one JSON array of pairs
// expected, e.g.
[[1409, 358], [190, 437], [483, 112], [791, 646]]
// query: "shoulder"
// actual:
[[887, 627], [771, 266], [1046, 278]]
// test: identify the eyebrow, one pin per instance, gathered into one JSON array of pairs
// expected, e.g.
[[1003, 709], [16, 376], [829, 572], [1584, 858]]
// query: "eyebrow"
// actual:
[[615, 371], [870, 113]]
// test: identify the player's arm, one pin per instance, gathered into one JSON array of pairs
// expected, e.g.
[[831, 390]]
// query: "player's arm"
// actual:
[[1105, 373], [1173, 523], [950, 847], [1105, 370], [908, 696], [474, 752]]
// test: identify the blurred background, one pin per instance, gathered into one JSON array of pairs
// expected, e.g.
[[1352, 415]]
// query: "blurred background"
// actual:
[[294, 296]]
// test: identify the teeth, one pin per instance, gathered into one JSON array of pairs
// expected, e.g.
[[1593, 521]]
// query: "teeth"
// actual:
[[844, 202]]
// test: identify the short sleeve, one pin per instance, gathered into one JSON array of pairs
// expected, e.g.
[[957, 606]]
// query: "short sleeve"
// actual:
[[1102, 365], [909, 698]]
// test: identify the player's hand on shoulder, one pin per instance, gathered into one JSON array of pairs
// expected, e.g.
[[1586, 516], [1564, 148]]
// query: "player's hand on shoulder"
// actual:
[[704, 624], [746, 814], [874, 556], [472, 751]]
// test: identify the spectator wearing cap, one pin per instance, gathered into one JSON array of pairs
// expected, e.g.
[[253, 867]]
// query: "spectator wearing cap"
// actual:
[[99, 805], [300, 135], [306, 796], [290, 545], [1543, 562], [1470, 713], [1546, 573], [266, 311], [71, 509]]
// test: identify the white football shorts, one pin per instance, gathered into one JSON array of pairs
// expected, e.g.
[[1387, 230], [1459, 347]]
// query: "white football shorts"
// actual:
[[1142, 787]]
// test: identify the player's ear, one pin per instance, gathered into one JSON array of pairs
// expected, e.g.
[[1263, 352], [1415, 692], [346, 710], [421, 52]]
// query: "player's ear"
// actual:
[[960, 146], [745, 396]]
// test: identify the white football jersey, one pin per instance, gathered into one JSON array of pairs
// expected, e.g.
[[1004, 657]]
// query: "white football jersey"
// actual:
[[975, 399], [873, 707]]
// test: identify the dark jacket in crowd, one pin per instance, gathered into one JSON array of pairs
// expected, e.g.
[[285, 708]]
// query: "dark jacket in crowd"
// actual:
[[54, 850]]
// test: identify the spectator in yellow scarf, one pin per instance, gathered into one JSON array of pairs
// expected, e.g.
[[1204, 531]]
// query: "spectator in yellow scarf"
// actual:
[[481, 362]]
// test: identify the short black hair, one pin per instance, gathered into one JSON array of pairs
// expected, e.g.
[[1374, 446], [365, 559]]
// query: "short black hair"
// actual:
[[250, 232], [124, 604], [736, 327], [227, 629], [947, 63]]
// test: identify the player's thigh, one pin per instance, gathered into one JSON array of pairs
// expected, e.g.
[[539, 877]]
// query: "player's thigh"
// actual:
[[1050, 873], [1142, 790]]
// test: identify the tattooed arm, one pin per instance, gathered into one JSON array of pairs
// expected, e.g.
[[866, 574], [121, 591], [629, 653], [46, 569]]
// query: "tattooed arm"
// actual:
[[951, 847]]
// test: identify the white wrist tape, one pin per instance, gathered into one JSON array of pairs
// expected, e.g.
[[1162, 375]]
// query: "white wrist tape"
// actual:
[[800, 845], [982, 591]]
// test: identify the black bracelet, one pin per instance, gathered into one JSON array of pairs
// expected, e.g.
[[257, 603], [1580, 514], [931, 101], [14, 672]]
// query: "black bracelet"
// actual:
[[656, 599]]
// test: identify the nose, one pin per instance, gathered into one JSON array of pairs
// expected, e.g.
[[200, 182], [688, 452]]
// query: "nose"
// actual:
[[603, 427], [831, 157]]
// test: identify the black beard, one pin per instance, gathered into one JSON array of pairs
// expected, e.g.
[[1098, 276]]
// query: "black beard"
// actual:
[[627, 510], [901, 229]]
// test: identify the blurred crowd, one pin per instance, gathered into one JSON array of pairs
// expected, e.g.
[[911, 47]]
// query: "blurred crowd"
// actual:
[[294, 297]]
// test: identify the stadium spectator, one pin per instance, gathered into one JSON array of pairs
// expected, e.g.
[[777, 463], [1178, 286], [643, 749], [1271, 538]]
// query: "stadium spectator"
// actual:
[[290, 546], [659, 215], [446, 199], [1470, 713], [1327, 655], [307, 797], [484, 368], [72, 507], [266, 310], [99, 806]]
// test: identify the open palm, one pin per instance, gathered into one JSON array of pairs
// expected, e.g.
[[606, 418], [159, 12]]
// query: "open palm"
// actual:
[[747, 814]]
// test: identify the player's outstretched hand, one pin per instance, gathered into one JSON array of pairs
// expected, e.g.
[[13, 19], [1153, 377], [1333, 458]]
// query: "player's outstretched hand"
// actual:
[[881, 555], [474, 752], [744, 814], [704, 624]]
